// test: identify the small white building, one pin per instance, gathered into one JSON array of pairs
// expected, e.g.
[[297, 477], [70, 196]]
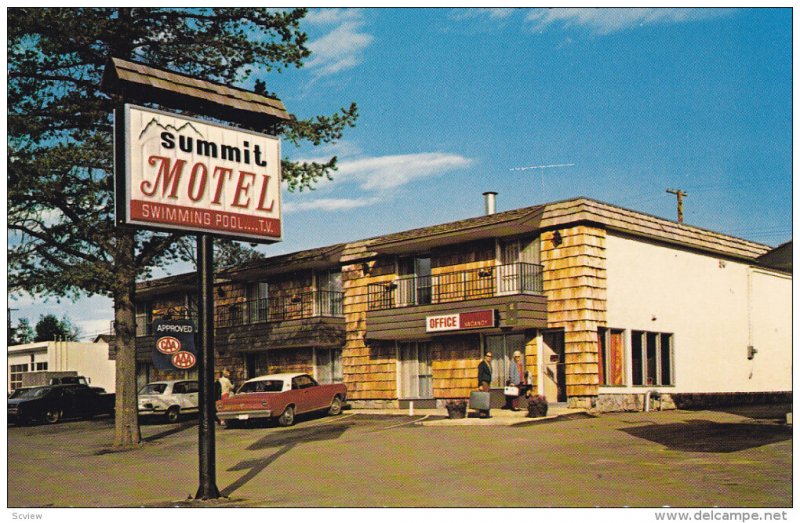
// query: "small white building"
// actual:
[[87, 359]]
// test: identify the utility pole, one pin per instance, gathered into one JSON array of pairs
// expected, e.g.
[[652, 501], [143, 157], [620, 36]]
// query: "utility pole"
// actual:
[[680, 194]]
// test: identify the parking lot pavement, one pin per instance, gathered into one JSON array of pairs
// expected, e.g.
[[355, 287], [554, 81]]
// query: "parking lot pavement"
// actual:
[[677, 458]]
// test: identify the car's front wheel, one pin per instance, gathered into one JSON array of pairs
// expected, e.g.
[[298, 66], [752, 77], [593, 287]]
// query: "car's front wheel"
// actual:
[[52, 416], [336, 406], [287, 418]]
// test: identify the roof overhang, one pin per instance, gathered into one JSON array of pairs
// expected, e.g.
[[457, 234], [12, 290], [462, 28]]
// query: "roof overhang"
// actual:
[[323, 258], [138, 82], [430, 238]]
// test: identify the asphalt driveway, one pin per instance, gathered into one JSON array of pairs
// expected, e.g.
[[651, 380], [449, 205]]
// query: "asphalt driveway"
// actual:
[[678, 458]]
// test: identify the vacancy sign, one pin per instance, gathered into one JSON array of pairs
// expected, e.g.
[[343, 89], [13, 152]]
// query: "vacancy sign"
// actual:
[[461, 320], [190, 175]]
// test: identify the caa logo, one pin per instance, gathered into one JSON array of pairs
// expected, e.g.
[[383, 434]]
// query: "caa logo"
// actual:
[[168, 345], [184, 360]]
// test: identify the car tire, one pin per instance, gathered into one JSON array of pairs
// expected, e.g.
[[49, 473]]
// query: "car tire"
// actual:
[[173, 414], [287, 418], [336, 406], [52, 416]]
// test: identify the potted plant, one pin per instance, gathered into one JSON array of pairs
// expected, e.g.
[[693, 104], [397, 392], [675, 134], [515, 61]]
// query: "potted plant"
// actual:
[[456, 409], [537, 406]]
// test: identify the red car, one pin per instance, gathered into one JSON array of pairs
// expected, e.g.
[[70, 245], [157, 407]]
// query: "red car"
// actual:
[[280, 396]]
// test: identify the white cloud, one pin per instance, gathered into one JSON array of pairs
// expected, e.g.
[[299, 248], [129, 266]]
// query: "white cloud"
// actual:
[[493, 13], [341, 48], [388, 172], [332, 16], [329, 204], [608, 20], [377, 176]]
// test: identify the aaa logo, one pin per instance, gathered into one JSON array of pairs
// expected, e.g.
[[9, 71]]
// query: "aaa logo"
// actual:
[[168, 345], [184, 360]]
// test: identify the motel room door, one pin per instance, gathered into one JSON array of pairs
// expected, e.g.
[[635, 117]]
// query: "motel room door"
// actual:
[[554, 376], [416, 378]]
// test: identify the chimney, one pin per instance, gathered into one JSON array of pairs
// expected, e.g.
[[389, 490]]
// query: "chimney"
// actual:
[[489, 196]]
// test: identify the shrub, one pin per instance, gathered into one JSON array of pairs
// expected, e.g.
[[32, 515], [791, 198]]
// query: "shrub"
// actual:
[[537, 406], [456, 409]]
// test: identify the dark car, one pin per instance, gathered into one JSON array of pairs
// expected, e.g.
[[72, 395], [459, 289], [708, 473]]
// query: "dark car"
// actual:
[[52, 403]]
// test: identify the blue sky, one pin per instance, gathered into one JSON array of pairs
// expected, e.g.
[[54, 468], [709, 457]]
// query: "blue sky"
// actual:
[[629, 102]]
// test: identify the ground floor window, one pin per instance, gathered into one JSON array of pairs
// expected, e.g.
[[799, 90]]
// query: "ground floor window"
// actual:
[[416, 378], [328, 364], [652, 358], [256, 364], [611, 354], [41, 365], [502, 348], [15, 375]]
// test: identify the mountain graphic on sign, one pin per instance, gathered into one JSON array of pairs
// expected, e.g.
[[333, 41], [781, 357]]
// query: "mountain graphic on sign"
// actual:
[[169, 127]]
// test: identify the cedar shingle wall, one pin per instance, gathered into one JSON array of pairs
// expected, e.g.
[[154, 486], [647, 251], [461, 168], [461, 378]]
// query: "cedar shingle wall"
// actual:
[[575, 285], [454, 365], [369, 371]]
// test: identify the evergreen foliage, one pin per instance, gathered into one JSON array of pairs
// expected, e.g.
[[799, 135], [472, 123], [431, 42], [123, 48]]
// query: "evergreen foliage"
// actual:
[[62, 238]]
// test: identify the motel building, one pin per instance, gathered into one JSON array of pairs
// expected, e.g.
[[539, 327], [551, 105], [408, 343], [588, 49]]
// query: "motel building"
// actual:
[[608, 306]]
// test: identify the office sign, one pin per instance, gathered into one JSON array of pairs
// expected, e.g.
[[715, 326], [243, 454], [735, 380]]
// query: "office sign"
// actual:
[[175, 347], [460, 321], [191, 175]]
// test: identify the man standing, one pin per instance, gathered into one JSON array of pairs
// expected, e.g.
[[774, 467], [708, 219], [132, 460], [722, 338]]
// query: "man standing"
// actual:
[[485, 379], [226, 387]]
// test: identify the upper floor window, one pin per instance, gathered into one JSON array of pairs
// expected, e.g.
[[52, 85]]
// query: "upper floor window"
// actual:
[[144, 318], [257, 302], [328, 300]]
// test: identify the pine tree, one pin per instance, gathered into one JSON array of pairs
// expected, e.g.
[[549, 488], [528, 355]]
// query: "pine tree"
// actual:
[[60, 170]]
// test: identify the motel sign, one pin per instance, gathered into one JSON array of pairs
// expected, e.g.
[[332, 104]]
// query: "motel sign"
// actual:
[[190, 175]]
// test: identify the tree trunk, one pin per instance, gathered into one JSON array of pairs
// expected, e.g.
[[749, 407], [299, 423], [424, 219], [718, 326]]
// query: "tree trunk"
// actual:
[[126, 430]]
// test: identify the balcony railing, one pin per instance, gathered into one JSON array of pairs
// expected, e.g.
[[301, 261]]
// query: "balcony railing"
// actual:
[[498, 280], [281, 308]]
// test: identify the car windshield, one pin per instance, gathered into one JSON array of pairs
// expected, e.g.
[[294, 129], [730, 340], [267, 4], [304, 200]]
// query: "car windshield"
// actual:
[[261, 386], [36, 392], [153, 388]]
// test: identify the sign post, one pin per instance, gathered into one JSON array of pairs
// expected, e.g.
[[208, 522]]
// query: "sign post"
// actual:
[[189, 175], [184, 174], [207, 444]]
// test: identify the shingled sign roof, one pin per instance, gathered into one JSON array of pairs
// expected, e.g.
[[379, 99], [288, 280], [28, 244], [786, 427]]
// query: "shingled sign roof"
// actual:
[[142, 83]]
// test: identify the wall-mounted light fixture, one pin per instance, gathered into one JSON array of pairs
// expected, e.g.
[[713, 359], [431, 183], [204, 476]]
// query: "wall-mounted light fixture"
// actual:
[[751, 352], [557, 240], [364, 268], [220, 292]]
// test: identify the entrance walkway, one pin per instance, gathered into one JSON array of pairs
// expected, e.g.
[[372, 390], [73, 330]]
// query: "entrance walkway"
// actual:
[[438, 417]]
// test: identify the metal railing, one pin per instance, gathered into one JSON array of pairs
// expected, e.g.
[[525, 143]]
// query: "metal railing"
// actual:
[[280, 308], [498, 280]]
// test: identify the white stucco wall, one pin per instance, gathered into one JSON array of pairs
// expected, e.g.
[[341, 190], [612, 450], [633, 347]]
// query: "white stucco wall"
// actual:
[[88, 359], [713, 309]]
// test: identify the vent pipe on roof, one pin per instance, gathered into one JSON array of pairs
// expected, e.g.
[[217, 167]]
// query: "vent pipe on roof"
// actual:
[[490, 198]]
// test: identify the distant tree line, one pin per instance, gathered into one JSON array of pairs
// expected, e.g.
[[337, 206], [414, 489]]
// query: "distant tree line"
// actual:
[[48, 328]]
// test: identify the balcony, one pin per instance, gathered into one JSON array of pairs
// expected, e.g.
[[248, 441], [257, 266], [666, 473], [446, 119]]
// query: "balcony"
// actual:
[[397, 310], [281, 308], [499, 280], [294, 321]]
